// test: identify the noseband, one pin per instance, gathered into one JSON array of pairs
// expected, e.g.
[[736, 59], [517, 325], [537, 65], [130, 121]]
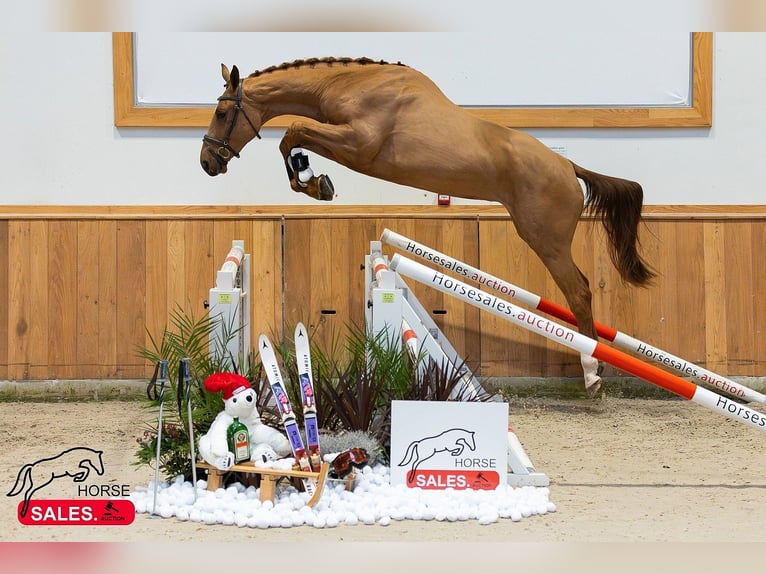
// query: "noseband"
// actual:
[[225, 152]]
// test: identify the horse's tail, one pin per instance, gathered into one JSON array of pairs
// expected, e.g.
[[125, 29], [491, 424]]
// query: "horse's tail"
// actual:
[[411, 451], [21, 480], [617, 202]]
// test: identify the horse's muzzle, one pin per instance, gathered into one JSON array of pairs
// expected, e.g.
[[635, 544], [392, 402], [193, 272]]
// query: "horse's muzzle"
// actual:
[[212, 168]]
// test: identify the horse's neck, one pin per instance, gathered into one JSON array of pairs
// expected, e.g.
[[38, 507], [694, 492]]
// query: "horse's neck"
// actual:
[[282, 93]]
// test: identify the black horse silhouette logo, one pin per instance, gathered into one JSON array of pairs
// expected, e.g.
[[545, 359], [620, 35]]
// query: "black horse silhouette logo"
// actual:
[[76, 462], [453, 441]]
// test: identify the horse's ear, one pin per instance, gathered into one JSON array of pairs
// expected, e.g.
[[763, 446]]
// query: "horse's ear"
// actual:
[[234, 78], [225, 73]]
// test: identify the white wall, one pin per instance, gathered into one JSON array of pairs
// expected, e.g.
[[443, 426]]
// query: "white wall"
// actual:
[[59, 144]]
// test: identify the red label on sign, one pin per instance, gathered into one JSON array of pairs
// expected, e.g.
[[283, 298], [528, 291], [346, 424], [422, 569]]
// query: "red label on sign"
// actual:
[[457, 479], [84, 512]]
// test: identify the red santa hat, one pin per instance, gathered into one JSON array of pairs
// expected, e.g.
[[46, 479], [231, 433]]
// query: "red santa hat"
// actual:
[[229, 384]]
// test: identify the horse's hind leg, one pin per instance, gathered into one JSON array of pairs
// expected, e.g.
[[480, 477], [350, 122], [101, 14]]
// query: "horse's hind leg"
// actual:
[[553, 244]]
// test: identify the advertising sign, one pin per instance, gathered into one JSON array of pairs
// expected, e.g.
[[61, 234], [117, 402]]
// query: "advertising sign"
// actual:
[[436, 445]]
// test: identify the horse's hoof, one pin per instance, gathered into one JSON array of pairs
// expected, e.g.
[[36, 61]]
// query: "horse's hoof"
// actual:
[[593, 388], [326, 188]]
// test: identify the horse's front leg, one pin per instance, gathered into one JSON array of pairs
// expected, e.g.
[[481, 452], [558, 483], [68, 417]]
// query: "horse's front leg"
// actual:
[[324, 139]]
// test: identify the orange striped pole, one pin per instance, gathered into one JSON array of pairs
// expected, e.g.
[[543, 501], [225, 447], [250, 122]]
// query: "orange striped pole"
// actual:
[[578, 342], [530, 299]]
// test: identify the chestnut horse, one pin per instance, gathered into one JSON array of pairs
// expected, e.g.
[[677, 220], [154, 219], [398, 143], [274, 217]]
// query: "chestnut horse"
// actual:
[[392, 122]]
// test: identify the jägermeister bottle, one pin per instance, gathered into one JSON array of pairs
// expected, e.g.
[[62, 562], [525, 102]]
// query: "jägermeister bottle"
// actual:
[[239, 441]]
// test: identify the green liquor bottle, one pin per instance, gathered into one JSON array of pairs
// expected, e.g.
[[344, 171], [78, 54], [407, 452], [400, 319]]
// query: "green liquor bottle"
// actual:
[[239, 441]]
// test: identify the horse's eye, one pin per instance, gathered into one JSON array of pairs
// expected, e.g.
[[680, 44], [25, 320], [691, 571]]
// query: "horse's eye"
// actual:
[[220, 114]]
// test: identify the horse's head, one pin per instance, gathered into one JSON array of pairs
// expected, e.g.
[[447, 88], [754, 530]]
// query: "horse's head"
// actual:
[[231, 128]]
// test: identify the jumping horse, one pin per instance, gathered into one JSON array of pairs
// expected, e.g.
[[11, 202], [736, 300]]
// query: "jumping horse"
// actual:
[[391, 122]]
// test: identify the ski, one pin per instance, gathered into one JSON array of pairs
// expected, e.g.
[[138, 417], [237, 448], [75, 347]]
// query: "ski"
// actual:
[[274, 375], [303, 358]]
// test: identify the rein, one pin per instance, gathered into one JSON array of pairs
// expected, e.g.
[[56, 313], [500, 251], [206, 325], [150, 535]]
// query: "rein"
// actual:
[[225, 152]]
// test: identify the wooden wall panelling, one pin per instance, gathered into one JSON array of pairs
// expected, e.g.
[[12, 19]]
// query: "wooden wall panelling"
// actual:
[[299, 248], [716, 349], [200, 262], [505, 347], [327, 311], [739, 323], [88, 270], [175, 272], [62, 299], [359, 234], [324, 282], [130, 296], [81, 292], [687, 340], [647, 321], [107, 297], [20, 319], [158, 277], [668, 284], [5, 303], [38, 332], [757, 246], [265, 247]]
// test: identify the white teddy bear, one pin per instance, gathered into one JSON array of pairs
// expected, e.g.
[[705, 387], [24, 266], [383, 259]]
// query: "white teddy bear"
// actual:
[[266, 443]]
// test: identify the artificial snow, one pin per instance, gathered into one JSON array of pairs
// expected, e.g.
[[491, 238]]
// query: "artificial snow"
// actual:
[[372, 501]]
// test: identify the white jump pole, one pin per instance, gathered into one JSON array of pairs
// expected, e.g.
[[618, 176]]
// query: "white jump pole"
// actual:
[[535, 301], [229, 304], [577, 342]]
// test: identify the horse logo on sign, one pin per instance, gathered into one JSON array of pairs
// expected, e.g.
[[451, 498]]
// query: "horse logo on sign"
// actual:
[[454, 441], [76, 462]]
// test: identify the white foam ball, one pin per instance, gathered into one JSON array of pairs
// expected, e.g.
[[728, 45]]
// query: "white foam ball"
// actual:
[[166, 511], [488, 518], [182, 514], [227, 518], [195, 515], [384, 520], [262, 521], [319, 521], [209, 518], [332, 521], [351, 519], [526, 511], [367, 518], [267, 505], [551, 507], [515, 515], [241, 519], [399, 513]]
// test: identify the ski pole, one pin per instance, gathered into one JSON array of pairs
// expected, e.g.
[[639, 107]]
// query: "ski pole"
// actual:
[[184, 382], [162, 377]]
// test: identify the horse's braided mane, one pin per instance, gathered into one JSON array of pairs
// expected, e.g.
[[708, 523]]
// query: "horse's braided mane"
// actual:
[[313, 62]]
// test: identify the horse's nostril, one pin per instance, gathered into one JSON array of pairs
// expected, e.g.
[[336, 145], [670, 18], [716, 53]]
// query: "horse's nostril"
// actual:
[[205, 166]]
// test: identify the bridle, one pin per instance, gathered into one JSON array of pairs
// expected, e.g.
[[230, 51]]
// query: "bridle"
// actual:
[[225, 152]]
